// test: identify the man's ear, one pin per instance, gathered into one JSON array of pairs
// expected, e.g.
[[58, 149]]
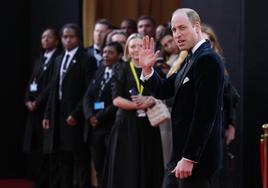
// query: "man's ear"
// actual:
[[197, 27]]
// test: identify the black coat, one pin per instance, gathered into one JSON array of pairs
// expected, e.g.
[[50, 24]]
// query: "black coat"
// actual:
[[74, 85], [196, 111], [93, 94], [42, 75]]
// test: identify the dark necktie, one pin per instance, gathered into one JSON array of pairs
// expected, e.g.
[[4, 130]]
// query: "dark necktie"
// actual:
[[65, 62], [97, 51], [44, 58], [43, 61], [183, 70], [62, 74], [105, 80]]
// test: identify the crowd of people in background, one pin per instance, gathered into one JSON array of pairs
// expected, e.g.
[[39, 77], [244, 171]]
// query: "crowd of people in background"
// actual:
[[82, 113]]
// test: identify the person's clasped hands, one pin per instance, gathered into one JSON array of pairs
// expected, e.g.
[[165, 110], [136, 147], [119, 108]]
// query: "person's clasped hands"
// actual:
[[143, 102]]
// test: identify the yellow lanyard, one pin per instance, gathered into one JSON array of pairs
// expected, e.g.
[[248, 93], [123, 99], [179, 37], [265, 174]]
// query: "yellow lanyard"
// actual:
[[139, 86]]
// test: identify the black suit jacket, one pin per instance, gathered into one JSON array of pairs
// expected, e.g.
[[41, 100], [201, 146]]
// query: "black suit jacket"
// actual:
[[74, 85], [197, 110], [91, 52], [93, 94], [42, 76]]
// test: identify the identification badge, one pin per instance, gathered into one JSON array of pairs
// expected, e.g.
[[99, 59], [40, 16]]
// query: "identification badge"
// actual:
[[33, 86], [98, 105]]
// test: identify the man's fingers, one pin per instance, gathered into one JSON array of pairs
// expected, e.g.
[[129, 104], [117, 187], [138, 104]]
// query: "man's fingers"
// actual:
[[144, 43], [152, 46], [181, 174], [147, 42], [156, 54]]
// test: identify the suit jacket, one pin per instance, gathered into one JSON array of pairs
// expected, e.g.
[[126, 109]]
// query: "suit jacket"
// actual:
[[74, 84], [42, 75], [197, 109], [91, 52], [93, 94]]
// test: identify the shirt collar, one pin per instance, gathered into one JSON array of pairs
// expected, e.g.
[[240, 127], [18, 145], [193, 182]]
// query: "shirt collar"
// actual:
[[198, 45], [49, 54], [107, 69], [96, 48], [72, 52]]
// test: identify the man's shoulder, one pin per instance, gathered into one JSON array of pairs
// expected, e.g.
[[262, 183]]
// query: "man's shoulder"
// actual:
[[90, 50]]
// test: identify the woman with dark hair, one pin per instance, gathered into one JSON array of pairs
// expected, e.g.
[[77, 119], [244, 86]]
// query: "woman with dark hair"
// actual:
[[98, 106]]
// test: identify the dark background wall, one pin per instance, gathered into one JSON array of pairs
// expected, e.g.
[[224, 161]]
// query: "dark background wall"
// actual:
[[51, 13], [255, 87], [22, 23], [14, 50], [240, 29]]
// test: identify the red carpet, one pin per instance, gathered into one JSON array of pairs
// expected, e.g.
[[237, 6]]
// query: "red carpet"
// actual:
[[15, 183]]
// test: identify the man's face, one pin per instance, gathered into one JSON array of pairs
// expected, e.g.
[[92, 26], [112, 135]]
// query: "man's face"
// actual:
[[127, 28], [146, 27], [185, 34], [99, 34], [48, 40], [69, 39]]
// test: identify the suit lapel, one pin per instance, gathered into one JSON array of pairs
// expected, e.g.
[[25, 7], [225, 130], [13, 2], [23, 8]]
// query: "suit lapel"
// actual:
[[52, 58], [58, 65], [44, 67], [37, 68], [179, 80], [184, 73], [73, 61]]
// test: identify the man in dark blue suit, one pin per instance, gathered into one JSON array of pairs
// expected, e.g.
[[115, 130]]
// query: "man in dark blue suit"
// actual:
[[197, 109]]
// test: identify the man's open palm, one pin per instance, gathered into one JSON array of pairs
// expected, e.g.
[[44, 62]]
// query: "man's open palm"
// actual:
[[147, 56]]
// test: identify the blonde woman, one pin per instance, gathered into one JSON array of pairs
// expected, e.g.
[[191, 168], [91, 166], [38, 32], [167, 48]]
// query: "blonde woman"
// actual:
[[134, 158]]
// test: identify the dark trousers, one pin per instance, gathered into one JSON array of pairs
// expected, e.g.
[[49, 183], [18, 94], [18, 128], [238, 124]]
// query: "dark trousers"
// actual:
[[41, 172], [54, 175], [81, 162], [99, 148], [225, 177], [47, 174]]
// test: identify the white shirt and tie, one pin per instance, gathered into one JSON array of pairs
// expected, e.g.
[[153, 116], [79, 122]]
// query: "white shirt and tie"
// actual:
[[66, 60], [47, 56]]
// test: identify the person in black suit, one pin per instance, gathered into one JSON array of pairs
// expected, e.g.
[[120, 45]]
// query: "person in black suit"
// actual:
[[35, 100], [64, 120], [197, 108], [98, 105], [101, 29]]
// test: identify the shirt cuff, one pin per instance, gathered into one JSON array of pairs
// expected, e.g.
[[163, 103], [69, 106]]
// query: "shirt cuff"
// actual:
[[147, 77], [189, 160]]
